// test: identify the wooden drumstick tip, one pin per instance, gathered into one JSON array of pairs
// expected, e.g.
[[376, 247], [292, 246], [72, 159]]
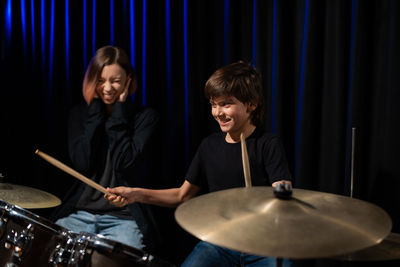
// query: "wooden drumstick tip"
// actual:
[[37, 151]]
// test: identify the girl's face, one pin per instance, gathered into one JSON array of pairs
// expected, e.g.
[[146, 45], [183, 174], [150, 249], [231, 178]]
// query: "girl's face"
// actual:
[[232, 115], [111, 83]]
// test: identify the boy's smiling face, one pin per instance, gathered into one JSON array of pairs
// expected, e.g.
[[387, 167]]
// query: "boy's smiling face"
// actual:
[[232, 115]]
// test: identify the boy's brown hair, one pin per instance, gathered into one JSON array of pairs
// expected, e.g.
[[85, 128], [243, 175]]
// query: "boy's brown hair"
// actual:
[[242, 81]]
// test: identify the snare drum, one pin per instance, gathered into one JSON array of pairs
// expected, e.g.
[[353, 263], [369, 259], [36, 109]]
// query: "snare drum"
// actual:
[[94, 250], [27, 239]]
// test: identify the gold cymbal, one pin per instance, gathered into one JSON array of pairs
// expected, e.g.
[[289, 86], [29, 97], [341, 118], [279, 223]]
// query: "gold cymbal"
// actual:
[[307, 225], [388, 249], [27, 197]]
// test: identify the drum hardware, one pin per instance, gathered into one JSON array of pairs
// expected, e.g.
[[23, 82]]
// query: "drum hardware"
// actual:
[[95, 250], [3, 221], [63, 252], [87, 249], [81, 252], [389, 248], [19, 243], [353, 145], [26, 239]]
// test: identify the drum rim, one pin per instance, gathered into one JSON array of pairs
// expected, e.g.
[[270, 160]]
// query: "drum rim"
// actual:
[[25, 215], [102, 242]]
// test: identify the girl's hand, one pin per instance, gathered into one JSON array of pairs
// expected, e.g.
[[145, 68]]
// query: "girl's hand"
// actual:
[[124, 94]]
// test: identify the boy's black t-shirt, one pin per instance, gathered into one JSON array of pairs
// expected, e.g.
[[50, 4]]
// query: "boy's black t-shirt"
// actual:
[[217, 164]]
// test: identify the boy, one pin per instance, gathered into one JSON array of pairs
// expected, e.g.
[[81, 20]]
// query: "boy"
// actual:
[[237, 104]]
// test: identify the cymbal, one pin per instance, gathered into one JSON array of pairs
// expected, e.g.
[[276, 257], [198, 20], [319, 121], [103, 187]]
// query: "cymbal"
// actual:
[[308, 224], [27, 197], [388, 249]]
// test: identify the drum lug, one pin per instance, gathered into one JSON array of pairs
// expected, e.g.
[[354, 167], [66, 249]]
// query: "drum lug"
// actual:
[[3, 226], [19, 242], [4, 219], [81, 251], [9, 207], [62, 253], [73, 253]]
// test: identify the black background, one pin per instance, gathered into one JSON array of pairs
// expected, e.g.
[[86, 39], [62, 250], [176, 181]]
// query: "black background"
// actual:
[[328, 67]]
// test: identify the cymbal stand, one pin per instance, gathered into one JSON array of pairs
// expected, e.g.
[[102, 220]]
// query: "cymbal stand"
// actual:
[[353, 138], [282, 191]]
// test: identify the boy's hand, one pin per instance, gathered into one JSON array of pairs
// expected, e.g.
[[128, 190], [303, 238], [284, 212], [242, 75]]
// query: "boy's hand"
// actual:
[[282, 182], [119, 196]]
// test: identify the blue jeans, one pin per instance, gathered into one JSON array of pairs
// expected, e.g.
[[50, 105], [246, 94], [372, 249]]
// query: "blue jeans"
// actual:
[[125, 231], [209, 255]]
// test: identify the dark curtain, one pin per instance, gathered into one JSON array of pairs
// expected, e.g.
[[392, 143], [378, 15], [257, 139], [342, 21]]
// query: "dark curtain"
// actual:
[[327, 66]]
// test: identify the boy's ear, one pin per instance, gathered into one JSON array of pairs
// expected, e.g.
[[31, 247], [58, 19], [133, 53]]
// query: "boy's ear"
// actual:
[[251, 106]]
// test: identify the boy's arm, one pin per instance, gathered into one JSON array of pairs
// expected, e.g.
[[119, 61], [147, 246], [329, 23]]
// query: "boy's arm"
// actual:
[[121, 196]]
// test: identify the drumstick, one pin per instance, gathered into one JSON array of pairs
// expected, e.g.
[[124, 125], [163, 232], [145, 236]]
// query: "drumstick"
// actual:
[[245, 160], [72, 172]]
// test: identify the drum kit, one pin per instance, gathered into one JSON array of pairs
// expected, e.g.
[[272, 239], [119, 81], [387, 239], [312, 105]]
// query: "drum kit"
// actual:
[[257, 220], [27, 239], [276, 222]]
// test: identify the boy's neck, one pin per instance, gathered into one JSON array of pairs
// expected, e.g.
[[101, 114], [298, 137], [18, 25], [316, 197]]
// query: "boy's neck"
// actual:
[[235, 137]]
